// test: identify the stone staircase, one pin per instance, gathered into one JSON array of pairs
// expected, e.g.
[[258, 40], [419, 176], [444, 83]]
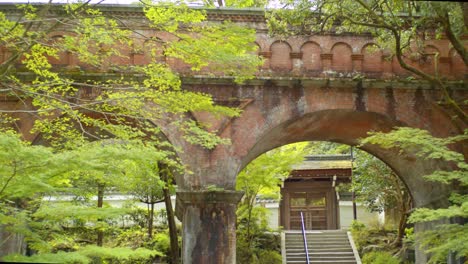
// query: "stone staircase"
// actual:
[[327, 246]]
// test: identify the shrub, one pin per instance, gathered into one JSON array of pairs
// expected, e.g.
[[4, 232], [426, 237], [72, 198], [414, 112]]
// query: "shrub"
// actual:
[[379, 257], [162, 242], [269, 257], [360, 235], [357, 226]]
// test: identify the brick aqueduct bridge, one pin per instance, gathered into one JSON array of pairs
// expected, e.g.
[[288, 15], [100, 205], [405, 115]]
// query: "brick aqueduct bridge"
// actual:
[[306, 90]]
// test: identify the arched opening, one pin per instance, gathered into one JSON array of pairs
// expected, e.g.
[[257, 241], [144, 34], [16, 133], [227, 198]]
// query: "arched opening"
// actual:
[[280, 60], [317, 188], [347, 127]]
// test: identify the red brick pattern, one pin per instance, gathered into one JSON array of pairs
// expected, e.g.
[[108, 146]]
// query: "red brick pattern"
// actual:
[[314, 56]]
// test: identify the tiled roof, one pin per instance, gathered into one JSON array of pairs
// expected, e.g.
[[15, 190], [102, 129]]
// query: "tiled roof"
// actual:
[[322, 162]]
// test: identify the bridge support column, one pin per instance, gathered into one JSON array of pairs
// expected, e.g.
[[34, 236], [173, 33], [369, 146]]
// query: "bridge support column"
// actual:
[[421, 256], [209, 226]]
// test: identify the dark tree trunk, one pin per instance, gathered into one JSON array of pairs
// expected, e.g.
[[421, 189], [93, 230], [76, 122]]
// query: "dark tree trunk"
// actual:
[[175, 259], [100, 202], [172, 227], [150, 221], [404, 204], [401, 229]]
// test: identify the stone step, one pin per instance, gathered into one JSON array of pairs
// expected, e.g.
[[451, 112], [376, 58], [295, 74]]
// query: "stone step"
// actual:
[[317, 241], [295, 245], [324, 247], [320, 256], [323, 261], [319, 250], [338, 249], [315, 238]]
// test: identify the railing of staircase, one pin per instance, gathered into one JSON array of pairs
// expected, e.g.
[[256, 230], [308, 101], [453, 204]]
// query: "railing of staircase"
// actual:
[[305, 239]]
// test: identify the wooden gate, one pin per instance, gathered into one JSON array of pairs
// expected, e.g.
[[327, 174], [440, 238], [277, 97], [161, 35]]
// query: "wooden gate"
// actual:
[[314, 207]]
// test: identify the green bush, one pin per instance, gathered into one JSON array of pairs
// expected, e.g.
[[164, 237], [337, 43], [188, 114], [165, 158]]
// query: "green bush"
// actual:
[[357, 226], [264, 249], [379, 257], [360, 235], [92, 255], [162, 242], [269, 257]]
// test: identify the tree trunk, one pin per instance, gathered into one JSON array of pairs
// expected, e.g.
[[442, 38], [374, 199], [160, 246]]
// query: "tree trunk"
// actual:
[[401, 229], [100, 202], [172, 227], [404, 202], [249, 221], [150, 221], [175, 259]]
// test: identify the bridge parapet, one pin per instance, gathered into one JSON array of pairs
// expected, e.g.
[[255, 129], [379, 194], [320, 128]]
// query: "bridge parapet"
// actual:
[[319, 55]]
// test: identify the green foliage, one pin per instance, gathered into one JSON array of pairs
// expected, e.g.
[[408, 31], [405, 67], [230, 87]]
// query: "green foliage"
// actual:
[[265, 173], [269, 257], [124, 97], [445, 237], [379, 257], [60, 257], [92, 254], [360, 234], [419, 141], [263, 249], [357, 226], [26, 170], [377, 186], [372, 239], [30, 173], [162, 242], [262, 177]]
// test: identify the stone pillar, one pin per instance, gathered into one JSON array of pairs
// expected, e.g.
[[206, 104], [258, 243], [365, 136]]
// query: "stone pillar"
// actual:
[[296, 58], [266, 56], [209, 226], [444, 66], [11, 243], [387, 69], [326, 61], [357, 62]]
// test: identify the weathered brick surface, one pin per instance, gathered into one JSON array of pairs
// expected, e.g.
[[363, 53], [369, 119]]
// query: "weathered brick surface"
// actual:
[[280, 112], [350, 54]]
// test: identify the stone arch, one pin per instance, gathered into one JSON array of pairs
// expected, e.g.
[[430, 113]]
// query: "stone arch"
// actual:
[[311, 56], [259, 48], [341, 61], [280, 60], [346, 127], [372, 58]]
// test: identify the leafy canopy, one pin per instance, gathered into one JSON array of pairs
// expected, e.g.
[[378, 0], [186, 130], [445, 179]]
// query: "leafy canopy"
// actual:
[[98, 98]]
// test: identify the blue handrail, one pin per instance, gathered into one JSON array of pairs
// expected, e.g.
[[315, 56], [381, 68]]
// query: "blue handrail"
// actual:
[[305, 238]]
